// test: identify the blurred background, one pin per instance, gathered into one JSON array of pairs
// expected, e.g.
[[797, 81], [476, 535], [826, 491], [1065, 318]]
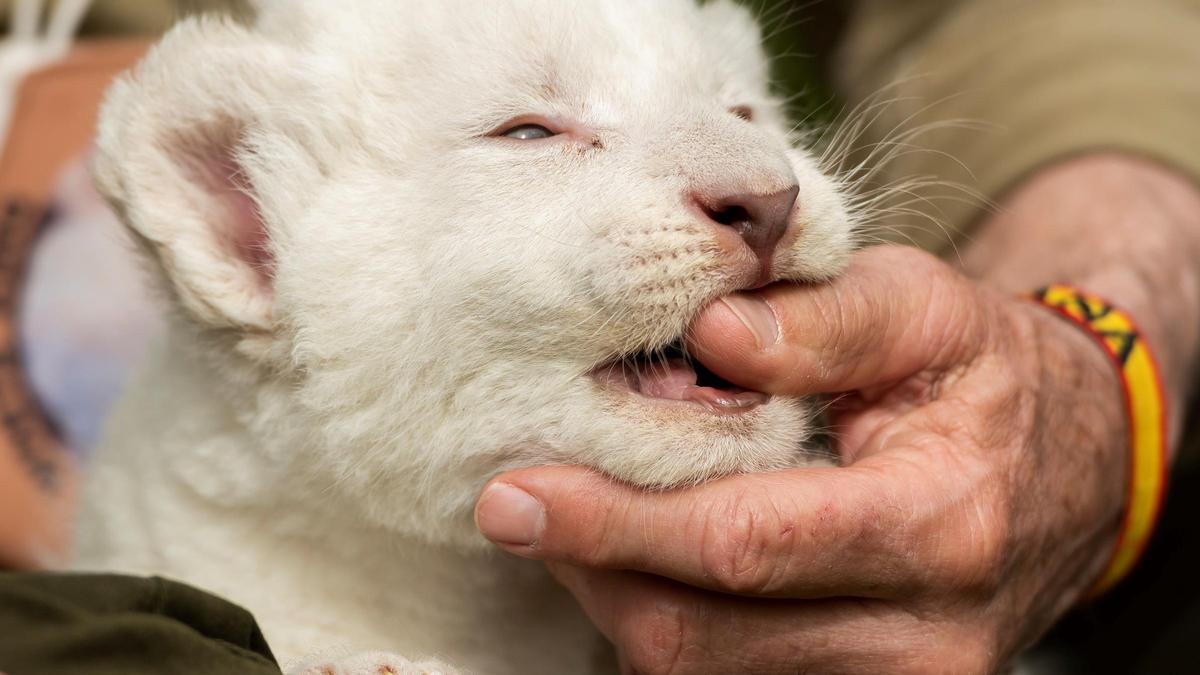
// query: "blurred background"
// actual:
[[75, 316]]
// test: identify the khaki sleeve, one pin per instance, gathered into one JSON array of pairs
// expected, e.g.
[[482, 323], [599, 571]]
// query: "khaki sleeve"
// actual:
[[1019, 84]]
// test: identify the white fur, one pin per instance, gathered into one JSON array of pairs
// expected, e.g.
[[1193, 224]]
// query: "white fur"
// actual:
[[309, 441]]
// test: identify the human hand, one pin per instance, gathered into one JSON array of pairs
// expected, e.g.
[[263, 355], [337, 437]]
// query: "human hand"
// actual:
[[984, 447]]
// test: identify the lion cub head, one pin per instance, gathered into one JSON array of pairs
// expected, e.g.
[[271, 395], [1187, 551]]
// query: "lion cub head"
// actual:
[[443, 239]]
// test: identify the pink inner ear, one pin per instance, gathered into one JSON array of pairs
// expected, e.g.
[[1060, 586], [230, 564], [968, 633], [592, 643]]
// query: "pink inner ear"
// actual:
[[241, 231]]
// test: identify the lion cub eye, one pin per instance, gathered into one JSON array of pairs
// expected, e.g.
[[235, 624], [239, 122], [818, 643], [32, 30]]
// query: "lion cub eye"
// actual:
[[529, 132]]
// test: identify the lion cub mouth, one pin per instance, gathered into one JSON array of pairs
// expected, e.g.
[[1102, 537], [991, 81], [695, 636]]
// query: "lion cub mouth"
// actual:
[[672, 377]]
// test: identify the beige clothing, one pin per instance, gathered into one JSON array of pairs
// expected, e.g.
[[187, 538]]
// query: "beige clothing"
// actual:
[[1036, 80]]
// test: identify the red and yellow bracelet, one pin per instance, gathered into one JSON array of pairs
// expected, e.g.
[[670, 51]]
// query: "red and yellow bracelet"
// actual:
[[1146, 406]]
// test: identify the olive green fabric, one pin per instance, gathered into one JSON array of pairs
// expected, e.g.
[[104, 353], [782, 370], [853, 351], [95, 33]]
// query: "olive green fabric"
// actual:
[[111, 625]]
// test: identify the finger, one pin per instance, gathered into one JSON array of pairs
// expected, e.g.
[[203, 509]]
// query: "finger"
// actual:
[[894, 313], [659, 626], [806, 533]]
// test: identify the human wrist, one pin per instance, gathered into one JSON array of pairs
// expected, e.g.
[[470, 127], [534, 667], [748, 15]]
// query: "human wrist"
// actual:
[[1165, 306], [1108, 404], [1120, 228], [1082, 406]]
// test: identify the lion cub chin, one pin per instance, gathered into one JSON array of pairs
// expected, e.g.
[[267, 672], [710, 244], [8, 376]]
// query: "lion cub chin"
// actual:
[[407, 246]]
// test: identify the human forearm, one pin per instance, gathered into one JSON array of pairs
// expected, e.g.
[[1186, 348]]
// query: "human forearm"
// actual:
[[1119, 227]]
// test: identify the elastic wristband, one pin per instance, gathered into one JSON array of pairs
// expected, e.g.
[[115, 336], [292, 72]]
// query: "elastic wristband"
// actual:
[[1146, 408]]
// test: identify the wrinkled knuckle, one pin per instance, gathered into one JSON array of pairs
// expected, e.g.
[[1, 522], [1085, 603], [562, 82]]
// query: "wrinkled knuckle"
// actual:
[[827, 314], [941, 275], [661, 642], [953, 652], [972, 559], [926, 262], [938, 278], [597, 545], [746, 547], [970, 656], [921, 264]]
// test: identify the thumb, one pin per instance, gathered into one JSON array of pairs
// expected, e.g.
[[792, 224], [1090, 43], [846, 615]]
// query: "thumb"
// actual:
[[895, 312]]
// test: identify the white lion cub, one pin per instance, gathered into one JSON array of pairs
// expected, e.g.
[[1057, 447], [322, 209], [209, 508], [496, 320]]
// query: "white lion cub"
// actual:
[[410, 245]]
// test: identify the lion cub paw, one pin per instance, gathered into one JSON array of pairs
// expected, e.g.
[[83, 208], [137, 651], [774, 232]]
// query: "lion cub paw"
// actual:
[[374, 663]]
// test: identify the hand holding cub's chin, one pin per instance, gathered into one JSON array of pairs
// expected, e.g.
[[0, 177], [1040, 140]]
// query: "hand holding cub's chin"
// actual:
[[938, 547]]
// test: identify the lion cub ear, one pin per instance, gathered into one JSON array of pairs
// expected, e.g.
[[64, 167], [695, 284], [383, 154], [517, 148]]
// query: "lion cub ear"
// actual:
[[176, 158]]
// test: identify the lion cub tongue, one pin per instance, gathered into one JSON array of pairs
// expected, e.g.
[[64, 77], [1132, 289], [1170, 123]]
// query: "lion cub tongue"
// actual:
[[675, 380], [671, 379]]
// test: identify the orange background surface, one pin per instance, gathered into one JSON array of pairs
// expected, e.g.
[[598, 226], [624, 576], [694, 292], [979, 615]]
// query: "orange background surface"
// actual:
[[52, 124]]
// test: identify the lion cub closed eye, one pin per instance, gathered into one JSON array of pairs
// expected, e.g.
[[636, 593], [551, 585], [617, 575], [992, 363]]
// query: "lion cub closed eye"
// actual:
[[410, 245]]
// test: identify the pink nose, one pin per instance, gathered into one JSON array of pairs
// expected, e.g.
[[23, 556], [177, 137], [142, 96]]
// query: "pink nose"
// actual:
[[760, 219]]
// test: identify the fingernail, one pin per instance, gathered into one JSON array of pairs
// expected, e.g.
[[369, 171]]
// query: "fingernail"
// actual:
[[510, 515], [756, 315]]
